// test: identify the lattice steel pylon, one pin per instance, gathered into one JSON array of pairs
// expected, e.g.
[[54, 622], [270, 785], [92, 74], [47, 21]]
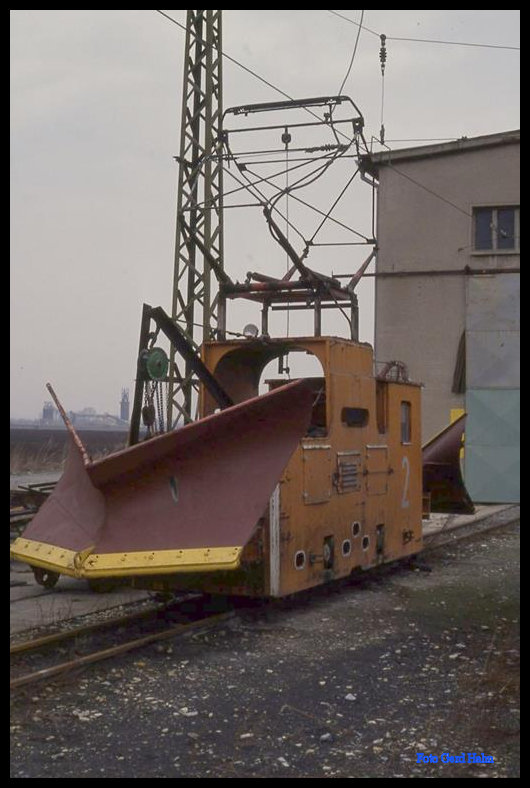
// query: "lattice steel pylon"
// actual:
[[196, 307]]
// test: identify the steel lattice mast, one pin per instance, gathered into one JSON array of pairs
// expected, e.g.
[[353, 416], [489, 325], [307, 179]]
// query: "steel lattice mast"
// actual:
[[196, 307]]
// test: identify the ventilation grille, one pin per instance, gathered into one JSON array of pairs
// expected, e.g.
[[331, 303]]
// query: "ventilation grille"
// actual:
[[348, 477]]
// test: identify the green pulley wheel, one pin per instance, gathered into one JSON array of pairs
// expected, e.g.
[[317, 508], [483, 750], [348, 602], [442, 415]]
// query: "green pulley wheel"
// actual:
[[156, 363]]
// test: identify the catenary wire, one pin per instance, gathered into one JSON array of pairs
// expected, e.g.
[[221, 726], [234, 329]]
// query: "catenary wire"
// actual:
[[283, 93], [353, 55], [426, 40], [245, 68]]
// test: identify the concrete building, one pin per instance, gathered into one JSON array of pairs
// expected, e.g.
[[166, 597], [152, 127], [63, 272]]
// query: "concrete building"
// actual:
[[447, 293]]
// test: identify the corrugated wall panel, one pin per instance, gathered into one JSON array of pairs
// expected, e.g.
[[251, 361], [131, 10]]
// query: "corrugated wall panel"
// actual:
[[493, 359], [492, 474], [492, 455], [493, 302], [493, 417]]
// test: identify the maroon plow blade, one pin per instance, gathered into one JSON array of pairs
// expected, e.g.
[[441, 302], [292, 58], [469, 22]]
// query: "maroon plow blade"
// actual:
[[187, 500]]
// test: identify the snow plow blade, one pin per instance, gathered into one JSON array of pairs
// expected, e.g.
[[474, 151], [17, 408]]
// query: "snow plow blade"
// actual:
[[442, 477], [184, 501]]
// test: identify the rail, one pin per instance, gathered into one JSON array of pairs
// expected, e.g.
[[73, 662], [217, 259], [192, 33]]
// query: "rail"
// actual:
[[37, 648]]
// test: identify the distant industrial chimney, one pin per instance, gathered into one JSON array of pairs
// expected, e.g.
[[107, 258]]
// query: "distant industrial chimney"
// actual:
[[124, 405]]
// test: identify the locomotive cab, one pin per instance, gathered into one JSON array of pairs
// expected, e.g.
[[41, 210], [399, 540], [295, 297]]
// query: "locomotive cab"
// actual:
[[350, 496]]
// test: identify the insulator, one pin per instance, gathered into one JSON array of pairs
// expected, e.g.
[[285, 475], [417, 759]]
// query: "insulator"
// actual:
[[382, 52]]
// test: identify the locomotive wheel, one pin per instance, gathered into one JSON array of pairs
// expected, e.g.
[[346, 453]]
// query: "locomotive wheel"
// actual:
[[44, 577]]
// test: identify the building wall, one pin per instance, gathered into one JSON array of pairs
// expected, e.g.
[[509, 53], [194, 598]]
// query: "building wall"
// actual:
[[419, 320], [425, 207]]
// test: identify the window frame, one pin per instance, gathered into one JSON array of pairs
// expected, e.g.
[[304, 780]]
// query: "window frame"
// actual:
[[494, 248], [405, 423]]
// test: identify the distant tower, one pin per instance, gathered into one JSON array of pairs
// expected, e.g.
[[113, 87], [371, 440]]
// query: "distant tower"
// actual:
[[124, 405], [48, 412]]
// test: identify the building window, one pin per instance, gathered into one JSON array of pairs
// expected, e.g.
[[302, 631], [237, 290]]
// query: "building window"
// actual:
[[496, 230], [405, 422]]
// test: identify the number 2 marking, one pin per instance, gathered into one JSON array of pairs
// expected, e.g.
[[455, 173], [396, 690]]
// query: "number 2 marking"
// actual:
[[404, 500]]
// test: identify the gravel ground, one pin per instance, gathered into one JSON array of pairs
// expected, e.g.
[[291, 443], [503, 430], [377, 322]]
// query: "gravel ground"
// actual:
[[362, 681]]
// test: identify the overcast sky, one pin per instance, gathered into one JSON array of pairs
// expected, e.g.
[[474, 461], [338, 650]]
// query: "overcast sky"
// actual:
[[95, 124]]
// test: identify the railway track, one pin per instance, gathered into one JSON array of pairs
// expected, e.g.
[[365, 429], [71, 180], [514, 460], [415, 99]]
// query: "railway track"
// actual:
[[19, 517], [26, 500], [44, 657], [457, 528]]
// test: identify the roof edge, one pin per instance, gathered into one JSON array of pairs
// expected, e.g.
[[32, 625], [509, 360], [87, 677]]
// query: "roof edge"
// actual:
[[373, 161]]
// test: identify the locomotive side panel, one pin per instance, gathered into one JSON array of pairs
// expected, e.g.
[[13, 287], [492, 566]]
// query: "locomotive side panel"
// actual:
[[352, 499]]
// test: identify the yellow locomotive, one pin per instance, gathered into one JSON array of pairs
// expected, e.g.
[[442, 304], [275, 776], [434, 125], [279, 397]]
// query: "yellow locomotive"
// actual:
[[273, 494]]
